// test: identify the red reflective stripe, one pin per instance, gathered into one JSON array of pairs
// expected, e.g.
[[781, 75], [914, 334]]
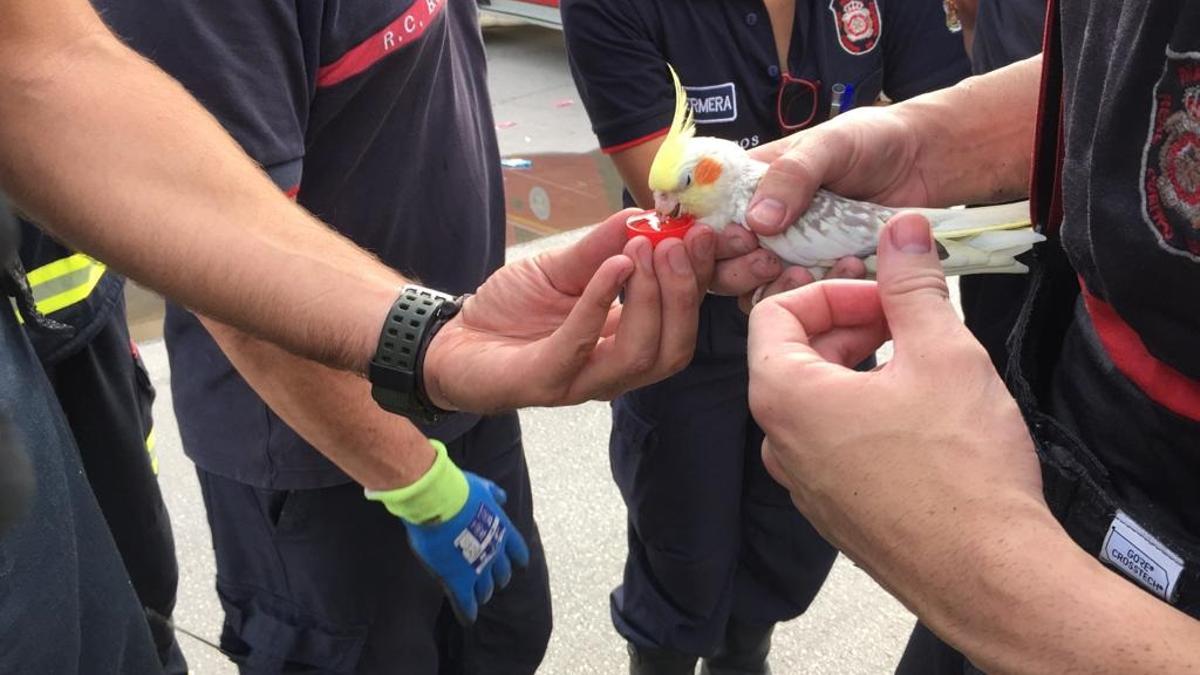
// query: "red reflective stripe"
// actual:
[[635, 142], [292, 192], [1163, 384], [405, 29]]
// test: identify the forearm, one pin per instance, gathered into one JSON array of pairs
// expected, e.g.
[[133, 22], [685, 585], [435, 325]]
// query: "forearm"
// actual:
[[976, 138], [332, 410], [114, 157], [1021, 597]]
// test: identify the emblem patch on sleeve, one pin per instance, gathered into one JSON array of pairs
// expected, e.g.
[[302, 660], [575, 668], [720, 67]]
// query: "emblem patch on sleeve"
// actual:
[[858, 24], [1171, 161]]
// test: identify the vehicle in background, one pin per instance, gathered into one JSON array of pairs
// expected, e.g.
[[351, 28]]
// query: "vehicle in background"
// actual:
[[539, 12]]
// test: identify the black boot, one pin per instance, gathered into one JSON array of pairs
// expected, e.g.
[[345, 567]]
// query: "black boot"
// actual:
[[744, 651], [653, 661]]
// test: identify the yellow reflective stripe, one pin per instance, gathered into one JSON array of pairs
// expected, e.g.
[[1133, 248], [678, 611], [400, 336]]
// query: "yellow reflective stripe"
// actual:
[[150, 451], [17, 311], [58, 268], [64, 282]]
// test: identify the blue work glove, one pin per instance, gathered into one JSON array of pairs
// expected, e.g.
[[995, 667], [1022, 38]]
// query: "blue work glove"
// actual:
[[459, 532]]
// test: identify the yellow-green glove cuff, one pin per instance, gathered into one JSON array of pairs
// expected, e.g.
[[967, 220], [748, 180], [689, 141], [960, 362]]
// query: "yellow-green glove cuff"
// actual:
[[436, 497]]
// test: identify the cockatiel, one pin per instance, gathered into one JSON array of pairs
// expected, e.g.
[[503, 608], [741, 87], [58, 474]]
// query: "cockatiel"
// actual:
[[713, 179]]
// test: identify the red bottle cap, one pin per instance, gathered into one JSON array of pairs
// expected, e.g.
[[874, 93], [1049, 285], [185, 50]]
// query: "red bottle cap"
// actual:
[[657, 228]]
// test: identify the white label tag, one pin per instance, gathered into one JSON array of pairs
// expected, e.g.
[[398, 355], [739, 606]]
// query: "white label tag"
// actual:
[[1141, 557]]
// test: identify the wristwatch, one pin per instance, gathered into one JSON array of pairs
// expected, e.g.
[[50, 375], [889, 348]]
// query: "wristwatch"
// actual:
[[397, 370]]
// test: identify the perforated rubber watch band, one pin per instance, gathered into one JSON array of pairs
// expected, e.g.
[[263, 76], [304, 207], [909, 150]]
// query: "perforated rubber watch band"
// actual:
[[396, 371]]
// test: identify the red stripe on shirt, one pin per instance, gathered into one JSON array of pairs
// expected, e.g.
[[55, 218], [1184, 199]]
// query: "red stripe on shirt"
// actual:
[[635, 142], [1163, 384], [292, 192], [402, 31]]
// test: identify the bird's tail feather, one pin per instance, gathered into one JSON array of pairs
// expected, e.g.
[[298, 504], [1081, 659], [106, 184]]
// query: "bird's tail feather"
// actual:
[[981, 241], [965, 222], [984, 240]]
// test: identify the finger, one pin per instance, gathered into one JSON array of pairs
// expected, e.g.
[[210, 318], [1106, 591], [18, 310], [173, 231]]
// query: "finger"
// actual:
[[848, 268], [701, 244], [741, 275], [638, 335], [734, 241], [680, 308], [850, 346], [912, 285], [625, 358], [465, 606], [795, 319], [498, 492], [569, 347], [790, 279], [515, 546], [484, 587], [571, 268], [611, 321], [501, 571], [792, 178]]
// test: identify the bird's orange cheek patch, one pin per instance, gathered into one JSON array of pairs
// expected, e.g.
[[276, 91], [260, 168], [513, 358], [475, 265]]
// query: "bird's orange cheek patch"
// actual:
[[707, 171]]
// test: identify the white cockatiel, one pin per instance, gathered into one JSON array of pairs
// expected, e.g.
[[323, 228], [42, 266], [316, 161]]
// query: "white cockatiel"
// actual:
[[713, 179]]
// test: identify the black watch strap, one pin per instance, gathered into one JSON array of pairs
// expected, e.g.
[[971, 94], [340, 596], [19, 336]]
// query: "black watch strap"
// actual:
[[396, 372]]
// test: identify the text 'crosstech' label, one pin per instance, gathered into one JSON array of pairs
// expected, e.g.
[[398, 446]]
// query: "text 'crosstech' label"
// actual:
[[1141, 557]]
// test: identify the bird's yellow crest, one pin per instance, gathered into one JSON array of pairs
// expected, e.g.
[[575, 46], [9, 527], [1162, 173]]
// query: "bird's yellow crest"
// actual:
[[664, 171]]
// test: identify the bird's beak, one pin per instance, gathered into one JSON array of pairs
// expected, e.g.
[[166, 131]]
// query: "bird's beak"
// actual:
[[667, 204]]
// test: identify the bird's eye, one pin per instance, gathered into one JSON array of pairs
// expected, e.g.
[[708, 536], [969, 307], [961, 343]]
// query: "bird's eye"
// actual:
[[687, 180]]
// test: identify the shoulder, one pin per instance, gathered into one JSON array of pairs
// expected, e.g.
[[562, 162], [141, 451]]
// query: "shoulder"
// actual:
[[642, 16]]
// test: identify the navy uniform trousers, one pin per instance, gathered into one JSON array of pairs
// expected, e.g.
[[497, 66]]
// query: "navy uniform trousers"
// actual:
[[713, 539], [323, 581], [107, 397], [66, 603]]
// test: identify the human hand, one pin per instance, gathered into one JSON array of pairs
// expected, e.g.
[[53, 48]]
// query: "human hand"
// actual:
[[751, 273], [868, 153], [545, 330], [927, 450], [459, 532]]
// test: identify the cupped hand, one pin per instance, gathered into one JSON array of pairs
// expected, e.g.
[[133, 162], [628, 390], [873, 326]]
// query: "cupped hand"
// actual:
[[548, 331]]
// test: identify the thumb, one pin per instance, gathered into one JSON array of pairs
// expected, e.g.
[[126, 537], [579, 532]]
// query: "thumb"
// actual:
[[912, 285], [793, 177], [571, 268]]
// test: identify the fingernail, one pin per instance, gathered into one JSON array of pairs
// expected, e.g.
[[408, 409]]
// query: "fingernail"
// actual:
[[767, 212], [678, 259], [738, 245], [910, 234], [764, 266], [645, 256], [708, 241]]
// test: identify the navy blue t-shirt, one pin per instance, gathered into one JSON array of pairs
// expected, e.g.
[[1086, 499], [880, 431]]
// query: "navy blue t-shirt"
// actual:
[[1007, 31], [1132, 203], [376, 115], [1128, 379], [724, 52]]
